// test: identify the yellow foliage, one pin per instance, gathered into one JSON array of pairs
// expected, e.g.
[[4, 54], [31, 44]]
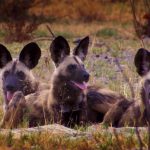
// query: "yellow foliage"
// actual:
[[85, 10]]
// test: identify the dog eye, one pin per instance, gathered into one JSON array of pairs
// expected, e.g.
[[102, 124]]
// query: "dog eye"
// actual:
[[72, 67], [6, 73], [20, 74]]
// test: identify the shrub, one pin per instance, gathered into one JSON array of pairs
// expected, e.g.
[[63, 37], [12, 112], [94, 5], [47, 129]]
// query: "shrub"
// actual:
[[146, 26], [17, 20], [141, 20]]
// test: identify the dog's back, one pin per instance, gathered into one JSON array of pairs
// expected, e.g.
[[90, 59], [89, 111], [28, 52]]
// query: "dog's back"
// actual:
[[100, 102]]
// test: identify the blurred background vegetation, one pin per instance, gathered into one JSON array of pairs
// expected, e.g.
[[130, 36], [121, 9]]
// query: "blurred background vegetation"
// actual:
[[20, 18]]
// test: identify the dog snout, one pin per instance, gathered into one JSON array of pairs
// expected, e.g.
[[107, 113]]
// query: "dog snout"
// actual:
[[10, 88], [86, 76]]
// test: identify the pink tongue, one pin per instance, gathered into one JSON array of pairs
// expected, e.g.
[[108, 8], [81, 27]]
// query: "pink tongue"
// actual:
[[82, 86], [9, 95]]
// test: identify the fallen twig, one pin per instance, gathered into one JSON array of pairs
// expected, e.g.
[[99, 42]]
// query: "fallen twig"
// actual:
[[49, 29], [42, 39]]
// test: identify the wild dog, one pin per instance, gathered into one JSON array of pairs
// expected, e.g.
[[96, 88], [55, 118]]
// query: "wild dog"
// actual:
[[64, 101], [17, 76], [71, 76], [133, 113]]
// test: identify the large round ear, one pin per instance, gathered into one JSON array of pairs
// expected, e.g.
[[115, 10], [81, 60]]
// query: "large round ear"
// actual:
[[142, 61], [5, 56], [82, 48], [30, 55], [59, 49]]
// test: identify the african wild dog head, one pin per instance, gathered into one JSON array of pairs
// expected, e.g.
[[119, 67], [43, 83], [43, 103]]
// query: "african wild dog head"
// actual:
[[70, 76], [142, 63], [16, 73]]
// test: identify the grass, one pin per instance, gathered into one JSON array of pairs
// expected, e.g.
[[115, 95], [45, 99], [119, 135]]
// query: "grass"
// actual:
[[67, 35], [107, 32], [2, 33], [104, 72], [99, 141], [40, 33]]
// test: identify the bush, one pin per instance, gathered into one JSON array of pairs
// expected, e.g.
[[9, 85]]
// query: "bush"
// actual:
[[17, 20], [146, 26], [141, 19]]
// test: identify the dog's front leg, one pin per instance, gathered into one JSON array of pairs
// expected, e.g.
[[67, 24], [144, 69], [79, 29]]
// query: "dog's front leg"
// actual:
[[14, 112]]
